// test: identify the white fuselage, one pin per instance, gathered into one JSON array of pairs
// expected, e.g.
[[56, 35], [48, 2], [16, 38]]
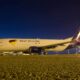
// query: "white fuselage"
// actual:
[[13, 44]]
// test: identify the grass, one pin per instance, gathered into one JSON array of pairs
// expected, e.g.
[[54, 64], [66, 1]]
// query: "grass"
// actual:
[[40, 67]]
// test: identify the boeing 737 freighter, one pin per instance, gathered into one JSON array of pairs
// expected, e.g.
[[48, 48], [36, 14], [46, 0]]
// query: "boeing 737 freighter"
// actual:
[[40, 46]]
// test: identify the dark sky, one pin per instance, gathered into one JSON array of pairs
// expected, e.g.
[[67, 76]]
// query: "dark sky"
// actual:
[[39, 18]]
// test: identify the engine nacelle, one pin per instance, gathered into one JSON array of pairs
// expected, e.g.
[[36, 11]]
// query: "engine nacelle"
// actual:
[[35, 49]]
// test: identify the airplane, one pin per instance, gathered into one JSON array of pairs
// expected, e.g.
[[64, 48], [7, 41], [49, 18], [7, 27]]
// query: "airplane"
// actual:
[[39, 46]]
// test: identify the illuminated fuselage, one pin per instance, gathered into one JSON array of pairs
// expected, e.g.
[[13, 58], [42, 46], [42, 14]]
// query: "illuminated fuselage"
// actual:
[[15, 44]]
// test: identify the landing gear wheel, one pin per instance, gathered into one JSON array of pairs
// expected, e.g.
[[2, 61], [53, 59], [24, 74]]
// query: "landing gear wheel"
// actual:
[[30, 51], [43, 52]]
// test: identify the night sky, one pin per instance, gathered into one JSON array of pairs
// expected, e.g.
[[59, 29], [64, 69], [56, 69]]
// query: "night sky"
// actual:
[[39, 18]]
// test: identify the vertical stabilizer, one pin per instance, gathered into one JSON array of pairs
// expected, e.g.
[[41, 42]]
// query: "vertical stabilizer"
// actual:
[[75, 40]]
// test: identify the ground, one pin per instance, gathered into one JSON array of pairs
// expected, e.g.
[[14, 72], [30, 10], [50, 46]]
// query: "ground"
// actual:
[[40, 67]]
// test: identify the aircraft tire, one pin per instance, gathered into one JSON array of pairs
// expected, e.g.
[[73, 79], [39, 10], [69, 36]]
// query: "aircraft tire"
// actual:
[[43, 52], [30, 50]]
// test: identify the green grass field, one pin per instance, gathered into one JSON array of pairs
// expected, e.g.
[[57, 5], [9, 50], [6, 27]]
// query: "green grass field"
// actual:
[[40, 67]]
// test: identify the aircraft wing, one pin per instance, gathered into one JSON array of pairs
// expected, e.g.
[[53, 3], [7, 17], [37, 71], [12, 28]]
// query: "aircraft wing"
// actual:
[[62, 43], [54, 45]]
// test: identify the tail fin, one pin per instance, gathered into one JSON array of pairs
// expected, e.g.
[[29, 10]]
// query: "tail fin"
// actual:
[[75, 40], [76, 37]]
